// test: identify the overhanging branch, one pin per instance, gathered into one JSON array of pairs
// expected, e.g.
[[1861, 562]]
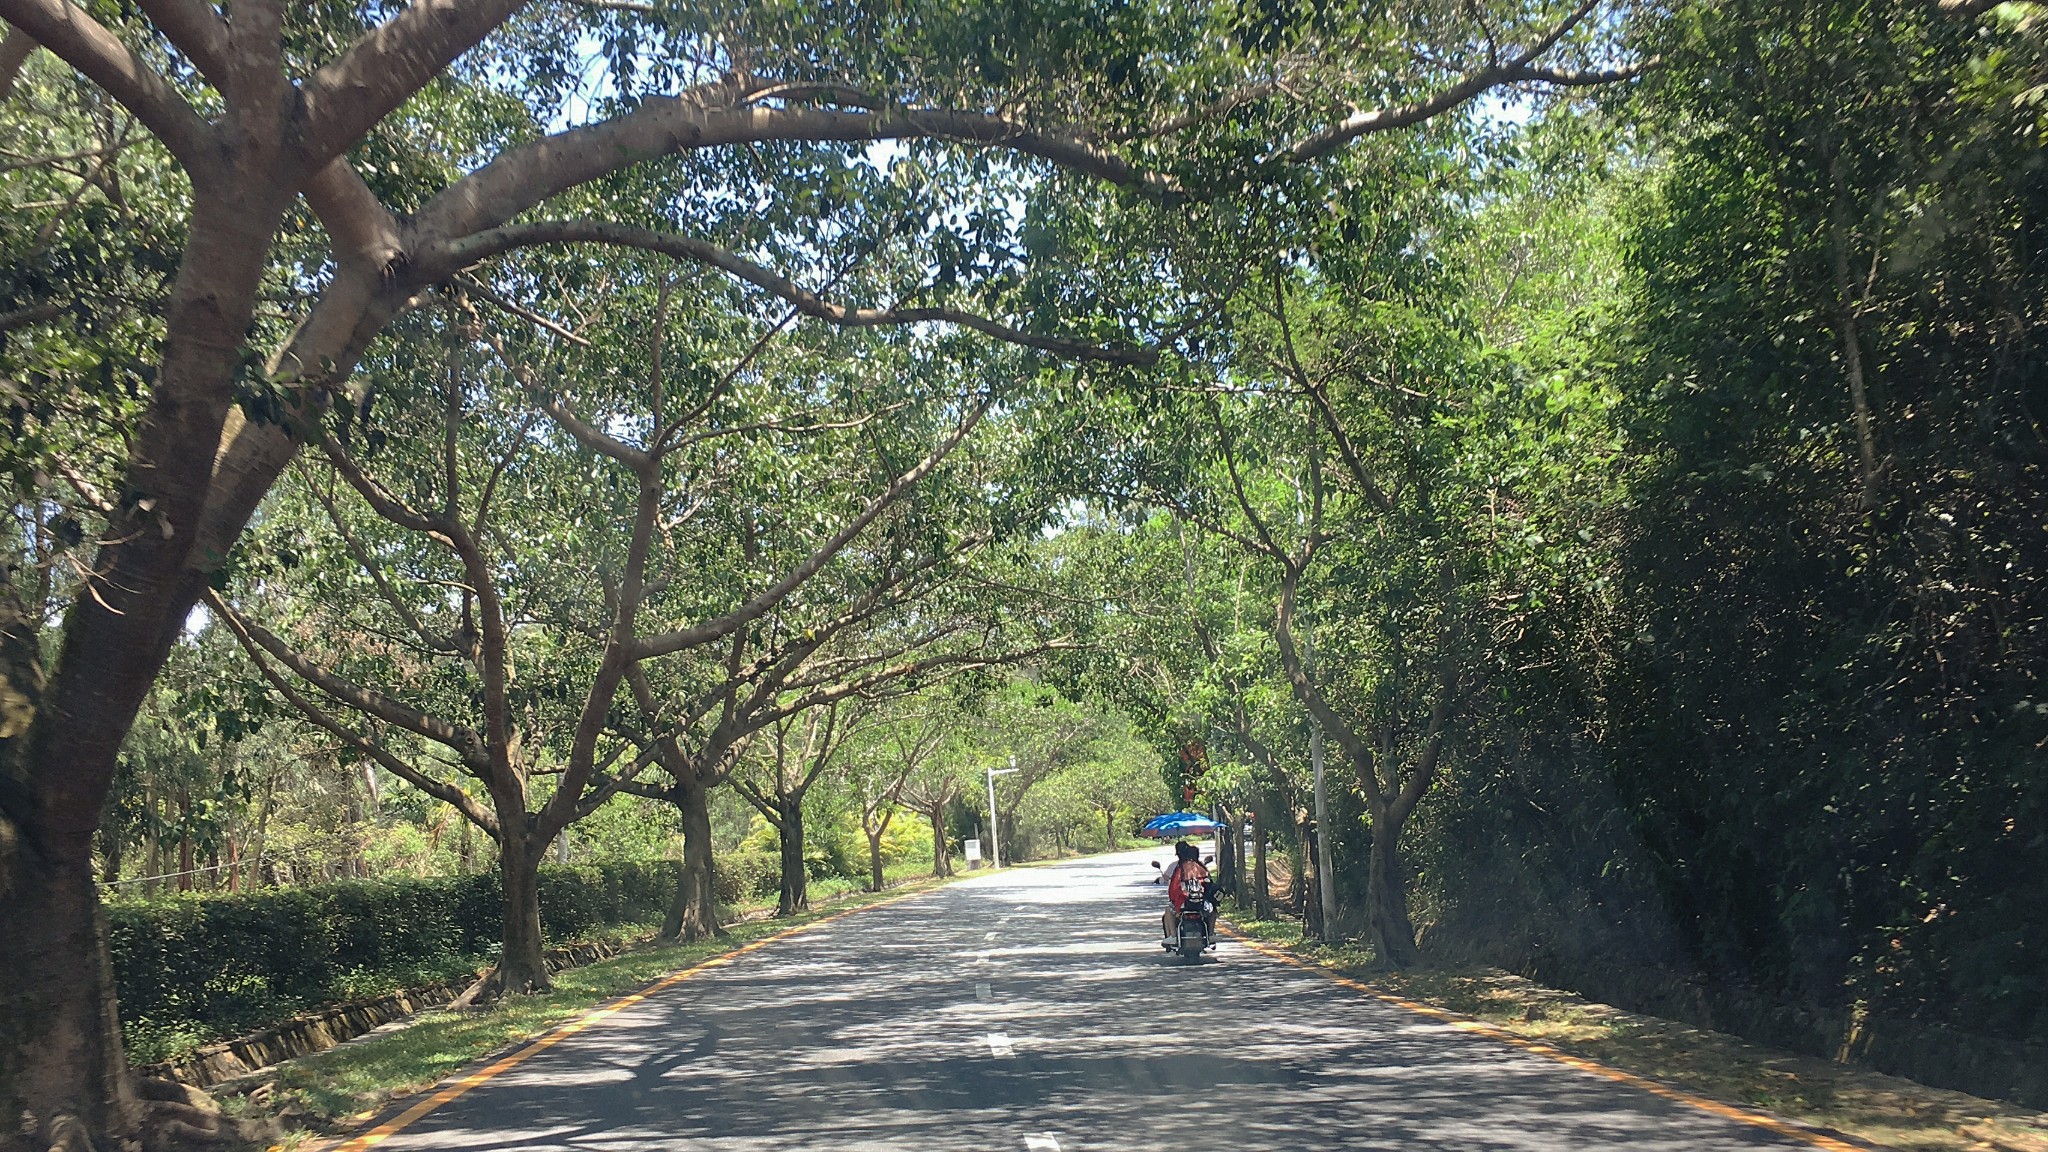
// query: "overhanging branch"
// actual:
[[348, 96], [496, 241], [365, 700], [1517, 66], [85, 44], [687, 638]]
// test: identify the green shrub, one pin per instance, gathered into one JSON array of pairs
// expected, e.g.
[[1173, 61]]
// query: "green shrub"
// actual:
[[191, 969], [748, 874]]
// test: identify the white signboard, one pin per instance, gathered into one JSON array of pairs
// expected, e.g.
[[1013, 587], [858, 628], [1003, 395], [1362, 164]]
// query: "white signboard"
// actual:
[[973, 851]]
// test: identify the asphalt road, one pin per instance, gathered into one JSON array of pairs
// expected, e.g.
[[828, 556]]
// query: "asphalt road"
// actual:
[[1033, 1010]]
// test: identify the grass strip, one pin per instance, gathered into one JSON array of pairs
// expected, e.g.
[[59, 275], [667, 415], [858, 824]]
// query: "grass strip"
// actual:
[[331, 1091], [1880, 1110]]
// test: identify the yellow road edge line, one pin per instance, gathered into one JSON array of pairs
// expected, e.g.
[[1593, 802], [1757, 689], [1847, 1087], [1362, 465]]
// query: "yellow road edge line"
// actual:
[[450, 1090], [1495, 1032]]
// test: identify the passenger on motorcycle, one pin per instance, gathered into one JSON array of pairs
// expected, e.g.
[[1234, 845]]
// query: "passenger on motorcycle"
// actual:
[[1186, 880]]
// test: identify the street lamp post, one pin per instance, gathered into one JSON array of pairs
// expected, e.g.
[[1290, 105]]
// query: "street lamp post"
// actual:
[[995, 840]]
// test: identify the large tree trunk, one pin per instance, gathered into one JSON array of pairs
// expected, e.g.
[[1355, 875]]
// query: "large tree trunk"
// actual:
[[942, 859], [60, 1045], [1311, 877], [1226, 851], [694, 915], [875, 860], [1262, 885], [61, 1057], [185, 861], [152, 844], [521, 965], [1012, 851], [1386, 909], [795, 894], [1109, 829]]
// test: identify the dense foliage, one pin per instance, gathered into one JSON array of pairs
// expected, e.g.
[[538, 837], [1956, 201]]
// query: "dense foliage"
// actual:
[[1797, 747], [1586, 514]]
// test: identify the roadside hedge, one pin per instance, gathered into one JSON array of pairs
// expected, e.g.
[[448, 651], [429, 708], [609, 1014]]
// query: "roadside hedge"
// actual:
[[193, 969], [748, 874]]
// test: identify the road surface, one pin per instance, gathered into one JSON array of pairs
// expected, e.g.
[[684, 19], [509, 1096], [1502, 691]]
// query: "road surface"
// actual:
[[1033, 1011]]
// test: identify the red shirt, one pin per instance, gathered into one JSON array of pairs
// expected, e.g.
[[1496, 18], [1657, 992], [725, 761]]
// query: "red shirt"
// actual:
[[1180, 877]]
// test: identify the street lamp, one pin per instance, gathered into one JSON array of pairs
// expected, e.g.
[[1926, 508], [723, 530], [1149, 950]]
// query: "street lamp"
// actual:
[[995, 842]]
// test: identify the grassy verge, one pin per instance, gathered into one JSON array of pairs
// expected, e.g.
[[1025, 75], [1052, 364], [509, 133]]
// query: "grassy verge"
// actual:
[[331, 1091], [1881, 1110], [894, 875]]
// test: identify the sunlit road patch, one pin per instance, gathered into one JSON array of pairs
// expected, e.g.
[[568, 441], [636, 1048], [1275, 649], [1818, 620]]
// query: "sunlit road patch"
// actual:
[[903, 1028]]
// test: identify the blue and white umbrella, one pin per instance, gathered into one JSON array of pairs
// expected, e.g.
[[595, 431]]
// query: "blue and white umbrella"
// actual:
[[1174, 825]]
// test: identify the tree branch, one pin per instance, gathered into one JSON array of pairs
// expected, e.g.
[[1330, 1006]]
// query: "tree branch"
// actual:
[[483, 245], [441, 790], [363, 559], [347, 97], [718, 114], [364, 700], [1267, 543], [705, 633], [85, 44], [1346, 448], [956, 661], [1422, 770], [15, 49], [759, 800], [381, 499], [356, 304], [605, 787], [194, 28], [1586, 77], [1312, 697], [1362, 123], [643, 790]]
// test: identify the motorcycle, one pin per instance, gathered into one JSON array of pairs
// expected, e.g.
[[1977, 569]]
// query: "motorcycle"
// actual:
[[1193, 935], [1193, 932]]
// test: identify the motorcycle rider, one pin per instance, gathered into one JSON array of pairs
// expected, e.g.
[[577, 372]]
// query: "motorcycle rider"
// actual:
[[1186, 880]]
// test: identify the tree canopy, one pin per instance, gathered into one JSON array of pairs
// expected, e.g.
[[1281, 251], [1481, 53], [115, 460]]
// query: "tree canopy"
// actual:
[[1567, 475]]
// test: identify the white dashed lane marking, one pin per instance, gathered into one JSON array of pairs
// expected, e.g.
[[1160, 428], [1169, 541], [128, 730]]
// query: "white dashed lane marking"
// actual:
[[981, 992], [1041, 1144], [999, 1044]]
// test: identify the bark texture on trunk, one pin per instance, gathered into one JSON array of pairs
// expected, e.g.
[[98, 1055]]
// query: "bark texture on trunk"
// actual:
[[61, 1056], [1262, 885], [1226, 852], [1848, 329], [1311, 878], [694, 915], [1109, 830], [795, 894], [875, 861], [1393, 935], [942, 858], [521, 966], [1008, 840]]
